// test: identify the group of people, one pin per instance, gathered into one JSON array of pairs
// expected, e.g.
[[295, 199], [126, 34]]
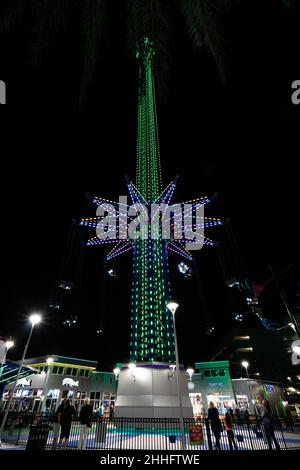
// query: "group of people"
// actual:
[[264, 413], [63, 420]]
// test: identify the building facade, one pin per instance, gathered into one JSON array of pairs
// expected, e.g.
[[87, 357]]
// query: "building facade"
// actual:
[[249, 392], [53, 377], [211, 382], [56, 377]]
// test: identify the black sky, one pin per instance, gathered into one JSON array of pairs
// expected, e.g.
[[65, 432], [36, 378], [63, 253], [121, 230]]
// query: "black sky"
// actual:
[[237, 139]]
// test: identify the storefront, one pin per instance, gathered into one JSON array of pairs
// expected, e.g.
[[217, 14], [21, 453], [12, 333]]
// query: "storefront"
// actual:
[[211, 383], [56, 377], [248, 392]]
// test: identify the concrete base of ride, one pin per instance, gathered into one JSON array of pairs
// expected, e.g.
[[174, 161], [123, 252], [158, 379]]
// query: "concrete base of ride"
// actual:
[[150, 391]]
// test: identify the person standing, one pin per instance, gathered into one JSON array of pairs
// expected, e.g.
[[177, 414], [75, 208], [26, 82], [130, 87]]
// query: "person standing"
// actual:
[[101, 425], [247, 418], [85, 417], [100, 411], [56, 423], [66, 412], [215, 423], [111, 410], [229, 430], [268, 425]]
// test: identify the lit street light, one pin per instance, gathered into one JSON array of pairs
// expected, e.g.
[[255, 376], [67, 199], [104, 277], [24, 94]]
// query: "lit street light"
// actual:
[[245, 364], [190, 372], [44, 394], [172, 306], [116, 371], [34, 320]]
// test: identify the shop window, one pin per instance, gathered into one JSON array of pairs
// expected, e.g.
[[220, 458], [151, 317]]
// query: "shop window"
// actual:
[[92, 395], [58, 370], [68, 370], [81, 372], [86, 373]]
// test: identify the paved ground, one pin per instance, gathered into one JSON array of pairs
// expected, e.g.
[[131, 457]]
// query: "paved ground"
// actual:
[[143, 441], [7, 446]]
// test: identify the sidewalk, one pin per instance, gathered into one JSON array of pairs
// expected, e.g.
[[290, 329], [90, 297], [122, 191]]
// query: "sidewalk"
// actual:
[[7, 446]]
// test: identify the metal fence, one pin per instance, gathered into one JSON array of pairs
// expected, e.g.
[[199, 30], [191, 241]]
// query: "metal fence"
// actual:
[[39, 431]]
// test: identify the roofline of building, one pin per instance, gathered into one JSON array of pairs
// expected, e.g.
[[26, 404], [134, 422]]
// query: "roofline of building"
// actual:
[[257, 380], [39, 360]]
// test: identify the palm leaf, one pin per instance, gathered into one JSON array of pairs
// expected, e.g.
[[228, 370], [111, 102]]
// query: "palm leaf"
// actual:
[[94, 20], [11, 13], [202, 22], [289, 3], [51, 17], [148, 18]]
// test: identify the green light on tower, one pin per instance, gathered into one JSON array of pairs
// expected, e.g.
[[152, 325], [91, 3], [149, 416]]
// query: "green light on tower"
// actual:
[[152, 321]]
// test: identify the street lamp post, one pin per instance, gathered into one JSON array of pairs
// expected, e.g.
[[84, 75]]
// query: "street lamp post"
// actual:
[[8, 344], [34, 319], [44, 394], [245, 364], [116, 371], [172, 306]]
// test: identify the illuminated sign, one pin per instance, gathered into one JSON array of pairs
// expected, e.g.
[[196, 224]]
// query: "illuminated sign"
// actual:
[[215, 384], [68, 382], [196, 435], [269, 388], [24, 382]]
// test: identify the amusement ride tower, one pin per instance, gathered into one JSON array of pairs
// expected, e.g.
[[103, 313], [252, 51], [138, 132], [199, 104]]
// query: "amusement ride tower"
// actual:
[[149, 390]]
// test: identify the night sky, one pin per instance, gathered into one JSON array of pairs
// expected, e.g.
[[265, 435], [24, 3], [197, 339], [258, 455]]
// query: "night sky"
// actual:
[[238, 139]]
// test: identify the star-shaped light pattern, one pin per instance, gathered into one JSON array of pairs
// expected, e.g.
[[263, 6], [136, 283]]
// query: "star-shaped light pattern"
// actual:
[[152, 336], [162, 328], [174, 245]]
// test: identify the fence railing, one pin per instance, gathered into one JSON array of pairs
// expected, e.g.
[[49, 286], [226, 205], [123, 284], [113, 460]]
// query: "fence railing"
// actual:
[[39, 431]]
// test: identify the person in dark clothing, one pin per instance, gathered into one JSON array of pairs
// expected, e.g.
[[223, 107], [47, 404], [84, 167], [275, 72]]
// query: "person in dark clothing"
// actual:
[[238, 415], [65, 413], [247, 418], [229, 430], [111, 410], [56, 424], [85, 416], [268, 424], [215, 423]]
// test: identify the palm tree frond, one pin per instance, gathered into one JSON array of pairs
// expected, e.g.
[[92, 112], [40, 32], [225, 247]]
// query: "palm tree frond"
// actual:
[[50, 18], [289, 3], [202, 22], [94, 19], [148, 18], [11, 13]]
